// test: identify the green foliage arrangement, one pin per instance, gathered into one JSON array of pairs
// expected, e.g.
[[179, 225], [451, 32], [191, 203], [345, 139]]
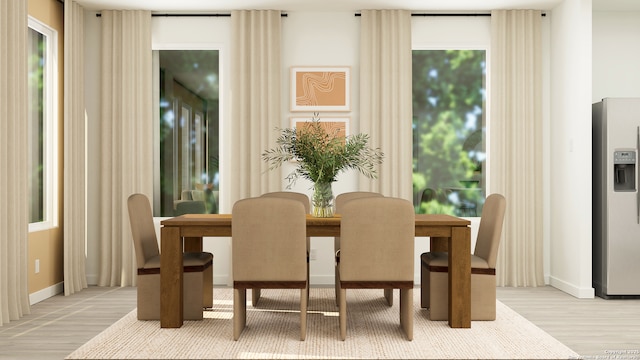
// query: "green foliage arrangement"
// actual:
[[321, 156]]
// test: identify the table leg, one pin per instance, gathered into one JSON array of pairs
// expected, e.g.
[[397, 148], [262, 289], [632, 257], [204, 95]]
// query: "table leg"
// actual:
[[171, 306], [460, 277]]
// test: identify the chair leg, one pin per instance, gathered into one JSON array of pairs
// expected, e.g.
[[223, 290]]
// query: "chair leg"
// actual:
[[308, 281], [337, 286], [406, 312], [343, 314], [336, 249], [424, 286], [207, 288], [388, 294], [255, 297], [304, 294], [239, 312]]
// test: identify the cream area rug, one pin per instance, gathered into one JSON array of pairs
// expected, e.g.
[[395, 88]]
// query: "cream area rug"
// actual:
[[273, 331]]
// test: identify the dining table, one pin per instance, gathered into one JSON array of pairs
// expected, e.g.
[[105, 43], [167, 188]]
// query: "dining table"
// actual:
[[185, 233]]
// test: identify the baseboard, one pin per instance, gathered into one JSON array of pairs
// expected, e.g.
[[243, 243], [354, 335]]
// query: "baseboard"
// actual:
[[322, 280], [92, 279], [46, 293], [580, 293], [221, 280]]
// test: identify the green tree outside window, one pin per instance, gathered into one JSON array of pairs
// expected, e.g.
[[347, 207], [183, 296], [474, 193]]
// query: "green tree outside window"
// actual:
[[449, 131]]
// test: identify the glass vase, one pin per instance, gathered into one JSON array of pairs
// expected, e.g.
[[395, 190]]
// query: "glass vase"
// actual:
[[323, 205]]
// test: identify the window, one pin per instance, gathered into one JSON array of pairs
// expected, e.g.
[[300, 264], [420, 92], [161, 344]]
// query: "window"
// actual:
[[449, 131], [42, 127], [188, 104]]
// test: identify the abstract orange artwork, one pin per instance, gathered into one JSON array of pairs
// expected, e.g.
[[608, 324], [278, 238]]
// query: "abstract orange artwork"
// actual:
[[320, 89], [332, 125]]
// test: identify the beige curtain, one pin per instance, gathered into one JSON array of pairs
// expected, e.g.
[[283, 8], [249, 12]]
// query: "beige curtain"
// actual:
[[126, 138], [75, 149], [385, 97], [255, 109], [515, 138], [14, 216]]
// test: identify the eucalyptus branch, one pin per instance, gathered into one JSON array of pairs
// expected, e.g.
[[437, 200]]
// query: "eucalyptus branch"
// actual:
[[320, 155]]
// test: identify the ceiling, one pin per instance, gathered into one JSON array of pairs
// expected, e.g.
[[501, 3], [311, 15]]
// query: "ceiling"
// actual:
[[345, 5]]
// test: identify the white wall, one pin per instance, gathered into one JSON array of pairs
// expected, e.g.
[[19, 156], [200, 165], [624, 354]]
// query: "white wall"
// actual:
[[332, 38], [439, 33], [616, 55], [319, 39], [570, 152]]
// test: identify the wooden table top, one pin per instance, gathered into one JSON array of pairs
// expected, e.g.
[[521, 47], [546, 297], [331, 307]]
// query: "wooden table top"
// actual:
[[225, 220]]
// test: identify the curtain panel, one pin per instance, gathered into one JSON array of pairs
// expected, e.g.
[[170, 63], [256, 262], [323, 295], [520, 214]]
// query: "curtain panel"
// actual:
[[75, 150], [126, 137], [256, 99], [14, 215], [515, 133], [386, 101]]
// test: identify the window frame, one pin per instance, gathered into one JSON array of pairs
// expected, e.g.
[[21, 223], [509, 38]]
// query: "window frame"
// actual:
[[50, 128]]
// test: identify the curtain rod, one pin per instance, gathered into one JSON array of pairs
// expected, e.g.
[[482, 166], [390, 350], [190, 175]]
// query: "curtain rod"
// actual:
[[193, 15], [450, 14]]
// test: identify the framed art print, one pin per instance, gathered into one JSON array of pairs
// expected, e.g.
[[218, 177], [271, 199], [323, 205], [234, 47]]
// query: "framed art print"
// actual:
[[320, 88], [332, 125]]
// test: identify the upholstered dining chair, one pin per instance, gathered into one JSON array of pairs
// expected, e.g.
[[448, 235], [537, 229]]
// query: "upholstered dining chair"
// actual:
[[197, 267], [190, 207], [304, 199], [342, 199], [268, 252], [376, 252], [434, 292]]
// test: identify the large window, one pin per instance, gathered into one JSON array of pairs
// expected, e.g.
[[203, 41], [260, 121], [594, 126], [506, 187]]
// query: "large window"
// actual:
[[42, 127], [188, 101], [449, 131]]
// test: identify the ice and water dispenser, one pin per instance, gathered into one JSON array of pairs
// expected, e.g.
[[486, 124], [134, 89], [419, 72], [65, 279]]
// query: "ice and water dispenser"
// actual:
[[624, 170]]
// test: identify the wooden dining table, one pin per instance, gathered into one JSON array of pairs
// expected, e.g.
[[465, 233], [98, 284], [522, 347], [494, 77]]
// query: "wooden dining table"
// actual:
[[185, 233]]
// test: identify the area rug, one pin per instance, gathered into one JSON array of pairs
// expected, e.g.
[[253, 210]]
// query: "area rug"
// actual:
[[273, 331]]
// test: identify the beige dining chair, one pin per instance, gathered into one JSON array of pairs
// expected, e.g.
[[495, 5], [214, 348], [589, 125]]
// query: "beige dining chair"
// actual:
[[189, 207], [434, 278], [342, 199], [268, 252], [197, 267], [304, 199], [376, 252]]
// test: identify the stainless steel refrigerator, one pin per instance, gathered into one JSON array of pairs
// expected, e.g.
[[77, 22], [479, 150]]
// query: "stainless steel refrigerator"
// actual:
[[616, 199]]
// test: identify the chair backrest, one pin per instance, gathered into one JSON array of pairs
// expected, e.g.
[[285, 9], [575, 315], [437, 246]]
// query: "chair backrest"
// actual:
[[198, 195], [342, 199], [490, 229], [428, 194], [377, 236], [186, 195], [303, 198], [269, 240], [190, 207], [143, 230]]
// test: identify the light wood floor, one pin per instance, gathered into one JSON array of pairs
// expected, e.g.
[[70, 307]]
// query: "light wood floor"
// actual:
[[594, 328], [606, 329]]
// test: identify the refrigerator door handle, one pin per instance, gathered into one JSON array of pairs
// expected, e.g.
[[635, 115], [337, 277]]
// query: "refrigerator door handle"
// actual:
[[637, 179]]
